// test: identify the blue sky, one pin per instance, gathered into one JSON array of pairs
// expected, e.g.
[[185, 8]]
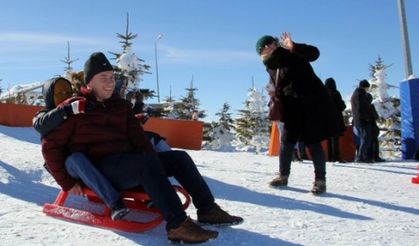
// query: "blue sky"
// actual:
[[213, 41]]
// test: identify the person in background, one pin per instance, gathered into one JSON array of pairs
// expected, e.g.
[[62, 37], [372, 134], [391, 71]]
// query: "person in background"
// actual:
[[374, 150], [136, 98], [362, 120], [339, 104], [114, 141], [308, 115], [58, 108]]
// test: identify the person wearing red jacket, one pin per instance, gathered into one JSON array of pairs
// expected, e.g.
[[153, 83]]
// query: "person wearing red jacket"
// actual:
[[114, 140], [58, 107]]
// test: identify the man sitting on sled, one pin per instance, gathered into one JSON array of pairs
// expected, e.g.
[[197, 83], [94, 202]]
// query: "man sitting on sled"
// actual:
[[57, 109], [114, 141]]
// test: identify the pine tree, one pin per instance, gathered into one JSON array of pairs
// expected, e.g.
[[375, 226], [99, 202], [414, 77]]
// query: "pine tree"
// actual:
[[258, 107], [379, 64], [244, 125], [221, 132], [68, 61], [225, 119], [252, 125], [76, 78], [130, 67], [189, 105], [169, 106], [388, 109]]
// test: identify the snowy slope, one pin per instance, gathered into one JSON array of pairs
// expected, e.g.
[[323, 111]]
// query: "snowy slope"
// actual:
[[365, 204]]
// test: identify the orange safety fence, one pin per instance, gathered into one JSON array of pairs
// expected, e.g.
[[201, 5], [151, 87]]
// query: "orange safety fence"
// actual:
[[17, 114], [184, 134], [346, 144]]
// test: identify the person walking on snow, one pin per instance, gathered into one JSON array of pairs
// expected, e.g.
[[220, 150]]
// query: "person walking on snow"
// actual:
[[308, 114]]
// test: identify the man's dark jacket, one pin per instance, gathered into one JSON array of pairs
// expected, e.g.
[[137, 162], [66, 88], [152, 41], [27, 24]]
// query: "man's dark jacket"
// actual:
[[361, 108], [109, 128]]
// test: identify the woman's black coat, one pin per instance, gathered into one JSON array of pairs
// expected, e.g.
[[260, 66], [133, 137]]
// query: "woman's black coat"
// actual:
[[307, 109]]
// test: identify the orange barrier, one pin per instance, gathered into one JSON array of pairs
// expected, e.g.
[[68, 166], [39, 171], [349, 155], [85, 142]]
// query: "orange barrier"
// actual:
[[17, 114], [346, 144], [184, 134], [274, 141]]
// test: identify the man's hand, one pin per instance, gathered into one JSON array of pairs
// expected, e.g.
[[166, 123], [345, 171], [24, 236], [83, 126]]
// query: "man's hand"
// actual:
[[76, 190], [285, 41]]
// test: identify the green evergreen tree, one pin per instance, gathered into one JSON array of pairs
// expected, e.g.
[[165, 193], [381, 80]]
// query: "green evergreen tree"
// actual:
[[169, 107], [252, 125], [379, 64], [130, 68], [188, 107], [388, 109], [225, 118], [244, 124], [220, 134], [68, 61]]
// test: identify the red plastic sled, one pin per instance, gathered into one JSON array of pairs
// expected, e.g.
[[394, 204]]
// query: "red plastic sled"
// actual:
[[135, 199]]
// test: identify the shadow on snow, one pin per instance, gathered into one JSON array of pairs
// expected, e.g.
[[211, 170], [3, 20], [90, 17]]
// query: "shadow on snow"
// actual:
[[237, 193], [27, 134], [227, 236], [24, 186]]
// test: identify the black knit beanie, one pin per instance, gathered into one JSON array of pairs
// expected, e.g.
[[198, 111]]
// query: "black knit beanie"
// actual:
[[364, 84], [96, 63]]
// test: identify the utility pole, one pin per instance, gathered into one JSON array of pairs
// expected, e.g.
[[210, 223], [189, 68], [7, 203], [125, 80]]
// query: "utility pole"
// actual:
[[405, 40], [157, 66]]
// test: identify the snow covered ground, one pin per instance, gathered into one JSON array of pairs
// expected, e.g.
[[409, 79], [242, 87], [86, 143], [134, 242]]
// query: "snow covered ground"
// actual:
[[365, 204]]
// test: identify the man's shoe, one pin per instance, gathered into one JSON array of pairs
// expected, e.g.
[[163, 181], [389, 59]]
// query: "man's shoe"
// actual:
[[279, 181], [189, 232], [119, 211], [319, 187], [217, 216]]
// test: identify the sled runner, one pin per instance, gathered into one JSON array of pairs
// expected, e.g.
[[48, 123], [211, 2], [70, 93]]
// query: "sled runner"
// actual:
[[142, 217]]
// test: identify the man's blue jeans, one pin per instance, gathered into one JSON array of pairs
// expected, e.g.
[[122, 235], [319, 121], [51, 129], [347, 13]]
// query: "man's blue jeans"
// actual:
[[80, 167], [150, 171], [365, 136]]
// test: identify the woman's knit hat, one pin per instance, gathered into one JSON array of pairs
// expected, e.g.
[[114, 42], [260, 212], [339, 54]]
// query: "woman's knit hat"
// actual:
[[264, 40]]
